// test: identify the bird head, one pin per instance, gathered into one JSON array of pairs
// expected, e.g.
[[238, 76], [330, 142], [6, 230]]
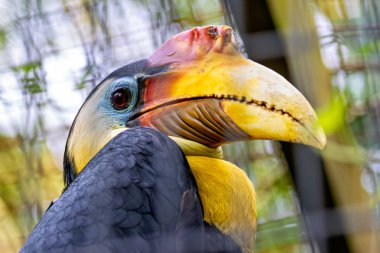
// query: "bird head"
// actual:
[[198, 89]]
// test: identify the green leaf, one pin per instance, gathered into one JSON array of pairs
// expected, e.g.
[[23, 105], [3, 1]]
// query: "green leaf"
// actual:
[[333, 116], [279, 233], [82, 83], [3, 38], [370, 48], [33, 88], [28, 67]]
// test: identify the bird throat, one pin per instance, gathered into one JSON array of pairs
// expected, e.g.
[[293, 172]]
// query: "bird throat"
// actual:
[[201, 120], [227, 194]]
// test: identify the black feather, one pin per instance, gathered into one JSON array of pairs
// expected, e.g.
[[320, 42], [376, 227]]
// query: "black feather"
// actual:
[[136, 195], [128, 195]]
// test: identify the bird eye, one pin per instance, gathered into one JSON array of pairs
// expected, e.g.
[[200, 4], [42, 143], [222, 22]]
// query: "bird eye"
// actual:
[[121, 98]]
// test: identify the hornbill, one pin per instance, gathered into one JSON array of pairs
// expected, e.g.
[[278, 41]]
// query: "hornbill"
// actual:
[[143, 163]]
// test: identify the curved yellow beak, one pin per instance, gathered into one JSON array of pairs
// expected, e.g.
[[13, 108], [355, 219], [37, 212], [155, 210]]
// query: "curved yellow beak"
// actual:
[[211, 94]]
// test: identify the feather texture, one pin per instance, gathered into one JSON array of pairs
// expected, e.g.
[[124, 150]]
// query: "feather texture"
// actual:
[[136, 195]]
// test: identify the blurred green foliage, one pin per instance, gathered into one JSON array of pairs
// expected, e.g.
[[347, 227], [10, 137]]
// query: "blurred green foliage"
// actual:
[[333, 116], [30, 79], [3, 38]]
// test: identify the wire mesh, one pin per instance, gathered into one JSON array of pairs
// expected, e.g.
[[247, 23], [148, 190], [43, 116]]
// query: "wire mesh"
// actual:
[[54, 52]]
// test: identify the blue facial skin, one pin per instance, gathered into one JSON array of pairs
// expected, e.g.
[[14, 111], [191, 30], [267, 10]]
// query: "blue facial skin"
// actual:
[[117, 116]]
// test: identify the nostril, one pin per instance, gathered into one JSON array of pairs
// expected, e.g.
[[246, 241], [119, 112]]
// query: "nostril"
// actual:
[[227, 37], [213, 32]]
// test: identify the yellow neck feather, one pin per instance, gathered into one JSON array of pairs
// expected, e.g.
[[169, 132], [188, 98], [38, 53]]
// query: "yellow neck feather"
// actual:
[[228, 198], [227, 194]]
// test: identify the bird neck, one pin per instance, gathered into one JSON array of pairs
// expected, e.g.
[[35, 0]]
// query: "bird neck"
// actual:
[[192, 148], [227, 194], [228, 198]]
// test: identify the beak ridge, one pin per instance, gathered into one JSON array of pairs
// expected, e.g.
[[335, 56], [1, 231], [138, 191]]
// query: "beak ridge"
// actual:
[[211, 94]]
